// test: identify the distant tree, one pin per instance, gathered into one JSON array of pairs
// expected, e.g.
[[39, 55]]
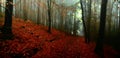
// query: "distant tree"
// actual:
[[0, 6], [75, 25], [7, 28], [25, 10], [38, 13], [101, 35], [49, 15], [89, 22], [83, 19], [119, 14]]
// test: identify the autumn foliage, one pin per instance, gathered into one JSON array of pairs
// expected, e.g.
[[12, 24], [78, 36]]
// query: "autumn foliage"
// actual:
[[33, 41]]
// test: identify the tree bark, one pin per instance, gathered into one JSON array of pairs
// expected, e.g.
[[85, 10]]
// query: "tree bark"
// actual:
[[0, 8], [38, 18], [7, 28], [88, 22], [84, 25], [49, 15], [101, 35], [25, 10]]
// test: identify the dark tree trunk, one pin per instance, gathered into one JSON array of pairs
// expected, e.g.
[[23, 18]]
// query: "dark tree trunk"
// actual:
[[75, 28], [88, 23], [38, 18], [101, 37], [84, 25], [0, 8], [7, 28], [25, 10], [49, 15]]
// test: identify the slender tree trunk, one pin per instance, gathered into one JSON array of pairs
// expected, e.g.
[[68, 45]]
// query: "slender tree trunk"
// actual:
[[88, 22], [0, 8], [25, 10], [75, 28], [84, 25], [38, 18], [49, 15], [119, 19], [101, 36], [16, 12]]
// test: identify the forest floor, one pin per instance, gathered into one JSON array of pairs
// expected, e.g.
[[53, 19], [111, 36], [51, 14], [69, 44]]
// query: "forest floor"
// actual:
[[33, 41]]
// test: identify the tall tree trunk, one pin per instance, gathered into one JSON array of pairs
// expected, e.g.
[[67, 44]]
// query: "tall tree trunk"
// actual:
[[119, 18], [38, 18], [88, 22], [25, 10], [0, 8], [84, 25], [7, 28], [49, 15], [75, 24], [16, 10], [101, 36]]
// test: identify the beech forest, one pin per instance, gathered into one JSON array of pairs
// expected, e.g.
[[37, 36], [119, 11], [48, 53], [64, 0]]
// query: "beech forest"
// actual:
[[59, 28]]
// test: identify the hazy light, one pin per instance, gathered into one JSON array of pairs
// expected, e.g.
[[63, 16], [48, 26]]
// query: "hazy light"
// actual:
[[67, 2]]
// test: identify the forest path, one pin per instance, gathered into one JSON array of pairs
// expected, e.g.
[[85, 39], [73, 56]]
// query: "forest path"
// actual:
[[33, 41]]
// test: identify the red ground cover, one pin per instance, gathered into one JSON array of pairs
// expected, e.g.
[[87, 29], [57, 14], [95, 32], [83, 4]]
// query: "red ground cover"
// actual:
[[33, 41]]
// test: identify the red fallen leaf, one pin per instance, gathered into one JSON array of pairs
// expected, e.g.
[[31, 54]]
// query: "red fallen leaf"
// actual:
[[29, 36]]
